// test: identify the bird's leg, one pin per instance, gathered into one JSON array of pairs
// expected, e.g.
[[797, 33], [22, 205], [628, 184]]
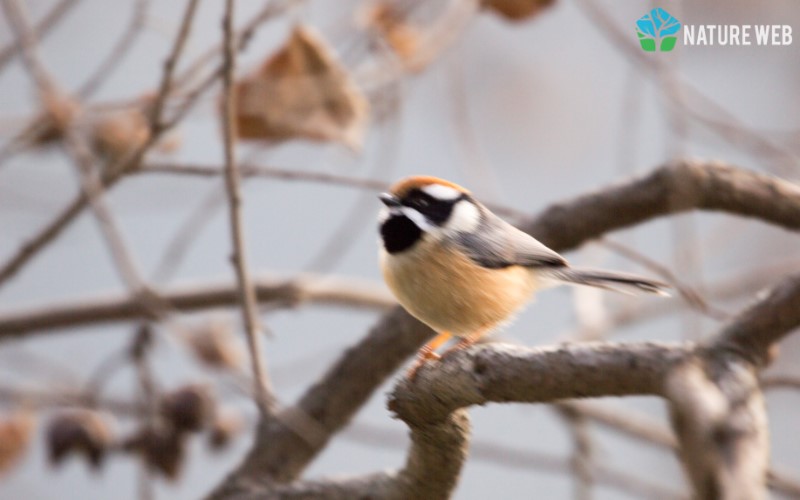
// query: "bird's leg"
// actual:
[[428, 352], [463, 343]]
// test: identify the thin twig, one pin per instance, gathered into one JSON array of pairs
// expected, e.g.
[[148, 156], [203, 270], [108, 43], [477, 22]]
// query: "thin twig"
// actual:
[[116, 169], [252, 170], [91, 185], [118, 52], [42, 28], [165, 87], [263, 392], [687, 293], [321, 290], [581, 462]]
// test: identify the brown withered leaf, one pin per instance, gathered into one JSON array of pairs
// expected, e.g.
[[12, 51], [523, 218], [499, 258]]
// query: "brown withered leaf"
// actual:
[[225, 427], [301, 92], [393, 26], [214, 344], [517, 10], [58, 113], [15, 436], [82, 432], [116, 135], [189, 408], [162, 448]]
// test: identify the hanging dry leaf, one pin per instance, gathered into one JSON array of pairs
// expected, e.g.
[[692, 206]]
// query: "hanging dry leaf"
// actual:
[[215, 344], [58, 113], [392, 25], [301, 92], [15, 435], [117, 135], [82, 432], [189, 408], [163, 449], [225, 427], [517, 10]]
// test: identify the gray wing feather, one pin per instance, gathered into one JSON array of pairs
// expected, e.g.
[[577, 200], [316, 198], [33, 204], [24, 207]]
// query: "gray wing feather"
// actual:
[[498, 244]]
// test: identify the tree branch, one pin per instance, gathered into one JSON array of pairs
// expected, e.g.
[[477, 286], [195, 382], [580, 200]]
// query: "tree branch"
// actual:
[[262, 388], [106, 308], [668, 190]]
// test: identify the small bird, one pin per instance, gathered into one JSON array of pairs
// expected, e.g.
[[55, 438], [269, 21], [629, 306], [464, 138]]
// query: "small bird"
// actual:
[[462, 270]]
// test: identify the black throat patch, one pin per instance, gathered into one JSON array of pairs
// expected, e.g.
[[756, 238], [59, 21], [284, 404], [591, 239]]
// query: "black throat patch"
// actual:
[[399, 233]]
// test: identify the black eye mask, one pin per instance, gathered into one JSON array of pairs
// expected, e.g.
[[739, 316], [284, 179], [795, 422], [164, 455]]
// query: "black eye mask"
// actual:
[[435, 210]]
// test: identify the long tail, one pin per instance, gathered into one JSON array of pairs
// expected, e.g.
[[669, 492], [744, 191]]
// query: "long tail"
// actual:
[[618, 282]]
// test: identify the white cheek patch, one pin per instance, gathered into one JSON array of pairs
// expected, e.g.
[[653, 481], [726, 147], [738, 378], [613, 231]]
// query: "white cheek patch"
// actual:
[[441, 192], [465, 217], [417, 218]]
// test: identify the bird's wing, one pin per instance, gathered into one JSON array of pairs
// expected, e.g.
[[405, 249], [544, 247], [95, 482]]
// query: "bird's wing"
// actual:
[[498, 244]]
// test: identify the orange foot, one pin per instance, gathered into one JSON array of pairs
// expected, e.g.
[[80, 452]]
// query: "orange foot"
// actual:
[[427, 352], [463, 343]]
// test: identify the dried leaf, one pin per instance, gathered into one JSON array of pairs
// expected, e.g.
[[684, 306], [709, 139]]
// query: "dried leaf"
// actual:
[[189, 408], [58, 113], [118, 134], [81, 432], [215, 344], [404, 39], [517, 10], [15, 436], [225, 427], [301, 92], [163, 449]]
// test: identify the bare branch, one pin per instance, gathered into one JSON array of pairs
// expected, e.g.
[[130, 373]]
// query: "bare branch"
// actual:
[[253, 170], [755, 330], [42, 28], [117, 53], [719, 417], [178, 45], [247, 294], [668, 190], [106, 308]]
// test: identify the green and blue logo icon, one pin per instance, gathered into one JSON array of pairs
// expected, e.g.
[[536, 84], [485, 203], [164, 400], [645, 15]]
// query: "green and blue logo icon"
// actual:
[[657, 30]]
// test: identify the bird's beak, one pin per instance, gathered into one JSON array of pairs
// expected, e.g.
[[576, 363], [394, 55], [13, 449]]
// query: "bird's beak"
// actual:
[[389, 200]]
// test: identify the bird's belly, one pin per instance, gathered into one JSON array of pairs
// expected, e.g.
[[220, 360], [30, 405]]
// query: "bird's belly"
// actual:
[[461, 297]]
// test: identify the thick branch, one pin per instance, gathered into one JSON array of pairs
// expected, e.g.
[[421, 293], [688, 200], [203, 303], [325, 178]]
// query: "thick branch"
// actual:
[[503, 373], [431, 407], [719, 416], [717, 406], [434, 463], [332, 401], [668, 190], [755, 330]]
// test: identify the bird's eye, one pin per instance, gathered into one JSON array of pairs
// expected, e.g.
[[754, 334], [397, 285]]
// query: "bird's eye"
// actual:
[[422, 202]]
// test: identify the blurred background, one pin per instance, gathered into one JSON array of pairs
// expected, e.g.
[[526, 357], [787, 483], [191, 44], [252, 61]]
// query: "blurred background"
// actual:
[[526, 112]]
